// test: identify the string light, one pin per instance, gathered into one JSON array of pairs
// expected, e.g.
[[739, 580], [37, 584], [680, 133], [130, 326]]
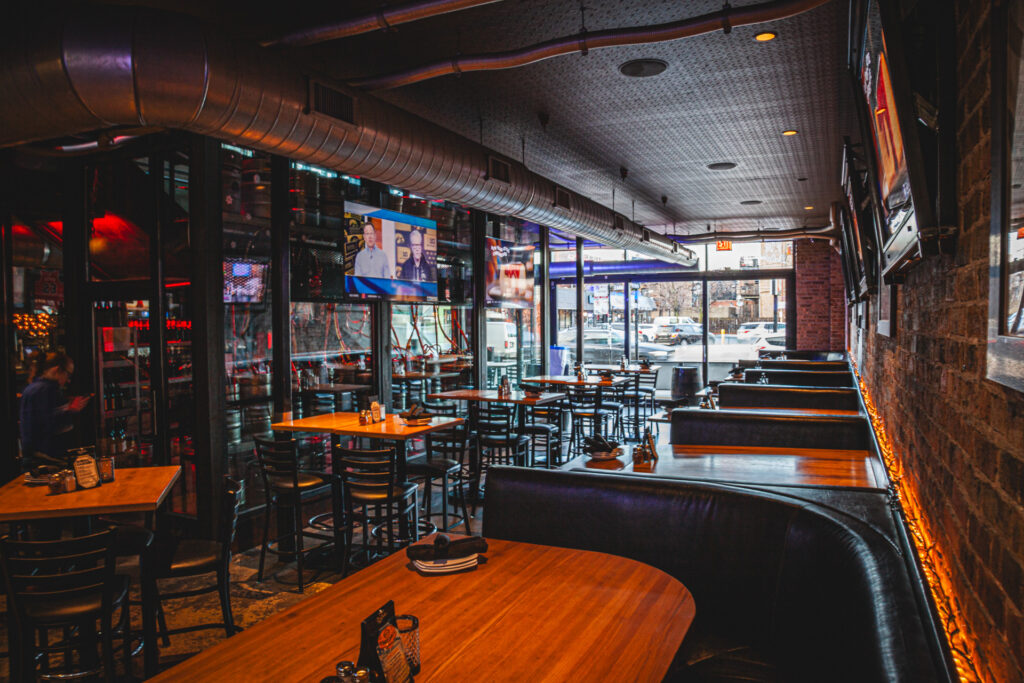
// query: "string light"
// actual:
[[963, 643], [34, 324]]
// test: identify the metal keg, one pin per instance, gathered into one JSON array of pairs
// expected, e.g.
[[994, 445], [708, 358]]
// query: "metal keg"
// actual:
[[232, 426], [257, 421], [254, 386], [687, 382]]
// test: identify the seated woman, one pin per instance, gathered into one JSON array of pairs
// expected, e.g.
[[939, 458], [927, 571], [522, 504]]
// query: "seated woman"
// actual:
[[46, 416]]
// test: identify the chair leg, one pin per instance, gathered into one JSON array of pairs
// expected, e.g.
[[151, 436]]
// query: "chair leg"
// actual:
[[224, 591], [263, 545], [298, 542], [162, 622], [461, 490]]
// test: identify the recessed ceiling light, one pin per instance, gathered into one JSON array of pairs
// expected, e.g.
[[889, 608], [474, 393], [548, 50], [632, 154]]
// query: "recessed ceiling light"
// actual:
[[750, 202], [642, 68], [764, 36], [808, 208], [788, 133], [722, 166]]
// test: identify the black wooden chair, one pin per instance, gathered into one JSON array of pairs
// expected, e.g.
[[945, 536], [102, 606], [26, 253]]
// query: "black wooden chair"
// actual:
[[374, 497], [444, 463], [497, 437], [285, 486], [175, 558], [588, 417], [67, 585]]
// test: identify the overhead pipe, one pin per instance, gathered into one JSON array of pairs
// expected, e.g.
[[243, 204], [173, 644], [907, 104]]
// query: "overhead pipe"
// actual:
[[724, 19], [381, 20], [820, 232], [103, 68]]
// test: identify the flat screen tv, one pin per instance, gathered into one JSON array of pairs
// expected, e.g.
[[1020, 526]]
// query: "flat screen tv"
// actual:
[[509, 273], [245, 280], [901, 130], [389, 255]]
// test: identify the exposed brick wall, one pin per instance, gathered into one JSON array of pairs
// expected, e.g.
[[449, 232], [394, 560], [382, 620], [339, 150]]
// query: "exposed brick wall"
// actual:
[[820, 296], [960, 436]]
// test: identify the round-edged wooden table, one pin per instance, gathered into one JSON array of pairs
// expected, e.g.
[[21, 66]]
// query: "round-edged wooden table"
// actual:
[[529, 613]]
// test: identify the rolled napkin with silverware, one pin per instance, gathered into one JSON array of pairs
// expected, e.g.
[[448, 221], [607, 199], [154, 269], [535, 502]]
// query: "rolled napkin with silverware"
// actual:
[[444, 548]]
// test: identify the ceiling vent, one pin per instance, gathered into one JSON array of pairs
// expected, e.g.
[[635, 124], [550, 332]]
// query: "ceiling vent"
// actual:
[[617, 222], [331, 102], [498, 169], [563, 199], [645, 235]]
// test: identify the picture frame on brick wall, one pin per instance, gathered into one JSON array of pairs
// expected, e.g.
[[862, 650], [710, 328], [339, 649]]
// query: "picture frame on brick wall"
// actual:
[[886, 323], [1005, 348]]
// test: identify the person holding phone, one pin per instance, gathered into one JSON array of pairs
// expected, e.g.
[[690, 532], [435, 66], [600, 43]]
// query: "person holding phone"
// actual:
[[46, 416]]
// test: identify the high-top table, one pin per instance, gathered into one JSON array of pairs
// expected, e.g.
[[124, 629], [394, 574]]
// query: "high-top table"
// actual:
[[393, 429], [613, 616], [134, 489], [748, 465], [574, 381]]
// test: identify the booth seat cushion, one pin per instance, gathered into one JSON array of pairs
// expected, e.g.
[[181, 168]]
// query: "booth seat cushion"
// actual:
[[773, 364], [801, 378], [740, 428], [784, 589], [741, 395]]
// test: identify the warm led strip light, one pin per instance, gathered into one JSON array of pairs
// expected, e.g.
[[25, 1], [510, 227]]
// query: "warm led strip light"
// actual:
[[962, 642]]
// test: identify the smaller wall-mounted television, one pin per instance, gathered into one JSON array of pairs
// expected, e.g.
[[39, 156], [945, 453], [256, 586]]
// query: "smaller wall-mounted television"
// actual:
[[245, 280], [389, 255], [509, 274]]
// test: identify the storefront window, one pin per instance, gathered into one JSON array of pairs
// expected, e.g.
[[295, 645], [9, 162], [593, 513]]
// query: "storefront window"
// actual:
[[120, 219]]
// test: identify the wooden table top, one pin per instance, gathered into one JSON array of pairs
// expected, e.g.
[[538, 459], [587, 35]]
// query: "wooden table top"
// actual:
[[492, 395], [134, 489], [347, 424], [572, 380], [498, 622], [748, 464]]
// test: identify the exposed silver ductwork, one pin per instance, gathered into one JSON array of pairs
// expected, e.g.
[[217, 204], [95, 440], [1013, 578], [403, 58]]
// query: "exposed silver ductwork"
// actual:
[[723, 19], [107, 67], [381, 20]]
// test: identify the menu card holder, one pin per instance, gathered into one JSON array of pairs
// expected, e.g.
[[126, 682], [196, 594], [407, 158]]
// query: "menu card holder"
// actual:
[[86, 472], [380, 647]]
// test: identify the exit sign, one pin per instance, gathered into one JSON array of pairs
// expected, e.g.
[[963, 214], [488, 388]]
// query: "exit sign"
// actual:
[[723, 245]]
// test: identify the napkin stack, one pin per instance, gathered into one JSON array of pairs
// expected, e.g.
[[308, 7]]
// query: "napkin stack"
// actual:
[[445, 555]]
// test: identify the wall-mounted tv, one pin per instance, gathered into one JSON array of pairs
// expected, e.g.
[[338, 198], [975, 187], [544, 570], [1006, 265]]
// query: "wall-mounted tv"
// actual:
[[389, 255], [509, 273], [902, 104], [857, 218], [245, 280]]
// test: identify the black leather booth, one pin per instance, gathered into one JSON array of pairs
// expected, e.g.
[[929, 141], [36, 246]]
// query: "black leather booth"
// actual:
[[785, 590], [740, 428], [771, 364], [737, 395], [800, 378], [802, 354]]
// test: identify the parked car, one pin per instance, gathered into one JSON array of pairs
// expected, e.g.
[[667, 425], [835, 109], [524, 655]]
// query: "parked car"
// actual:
[[775, 341], [501, 337], [647, 332], [758, 329], [605, 346], [679, 333]]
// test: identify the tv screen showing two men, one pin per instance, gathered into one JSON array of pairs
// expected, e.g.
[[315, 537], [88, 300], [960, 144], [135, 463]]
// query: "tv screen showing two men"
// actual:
[[389, 254]]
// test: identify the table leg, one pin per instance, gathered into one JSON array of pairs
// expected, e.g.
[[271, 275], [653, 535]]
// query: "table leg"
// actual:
[[400, 476], [521, 430], [150, 651]]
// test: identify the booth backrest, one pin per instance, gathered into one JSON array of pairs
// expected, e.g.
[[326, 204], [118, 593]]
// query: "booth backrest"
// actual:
[[801, 378], [823, 596], [740, 428], [772, 364], [802, 354], [741, 395]]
